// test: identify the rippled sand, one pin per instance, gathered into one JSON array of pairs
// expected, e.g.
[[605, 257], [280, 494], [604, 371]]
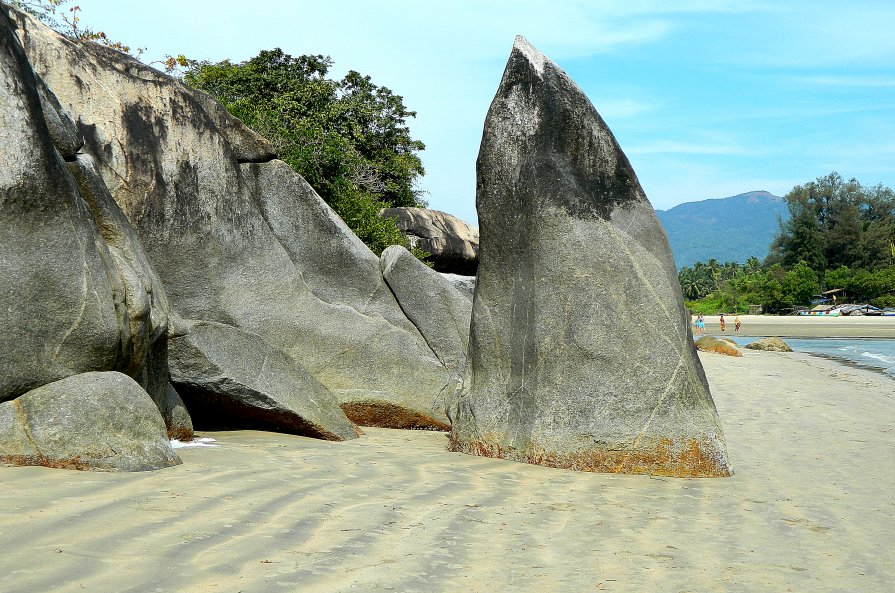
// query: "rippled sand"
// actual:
[[810, 509]]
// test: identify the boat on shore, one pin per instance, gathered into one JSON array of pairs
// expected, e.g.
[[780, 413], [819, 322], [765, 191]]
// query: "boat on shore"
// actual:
[[847, 309]]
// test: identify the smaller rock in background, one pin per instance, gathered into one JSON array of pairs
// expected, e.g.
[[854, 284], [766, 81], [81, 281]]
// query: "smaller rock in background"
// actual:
[[465, 284], [717, 346], [772, 344], [454, 245]]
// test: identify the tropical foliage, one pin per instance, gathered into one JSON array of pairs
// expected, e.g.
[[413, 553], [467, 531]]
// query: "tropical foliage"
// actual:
[[841, 234], [348, 138], [835, 223]]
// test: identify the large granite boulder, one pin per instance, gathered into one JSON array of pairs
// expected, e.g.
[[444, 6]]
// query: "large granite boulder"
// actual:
[[453, 244], [235, 235], [229, 378], [59, 297], [581, 351], [77, 291], [96, 421]]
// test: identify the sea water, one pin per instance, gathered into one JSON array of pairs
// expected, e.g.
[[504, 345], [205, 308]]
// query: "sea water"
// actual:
[[872, 353]]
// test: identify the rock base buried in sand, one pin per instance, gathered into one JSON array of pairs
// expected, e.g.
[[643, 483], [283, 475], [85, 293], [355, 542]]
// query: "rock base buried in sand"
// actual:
[[570, 368], [90, 421], [717, 346], [770, 345], [690, 458]]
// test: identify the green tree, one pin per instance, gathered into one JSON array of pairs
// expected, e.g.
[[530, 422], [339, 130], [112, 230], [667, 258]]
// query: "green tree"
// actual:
[[692, 285], [798, 285], [348, 138], [834, 223], [753, 266]]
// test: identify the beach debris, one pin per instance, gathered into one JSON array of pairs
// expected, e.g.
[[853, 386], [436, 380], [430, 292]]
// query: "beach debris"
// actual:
[[772, 344], [202, 442], [718, 346], [90, 421], [570, 367]]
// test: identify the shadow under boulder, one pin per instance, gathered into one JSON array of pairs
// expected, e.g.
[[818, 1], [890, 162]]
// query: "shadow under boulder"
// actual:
[[229, 378]]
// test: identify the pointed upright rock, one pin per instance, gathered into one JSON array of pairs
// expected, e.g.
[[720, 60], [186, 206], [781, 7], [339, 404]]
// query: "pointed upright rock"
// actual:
[[580, 345]]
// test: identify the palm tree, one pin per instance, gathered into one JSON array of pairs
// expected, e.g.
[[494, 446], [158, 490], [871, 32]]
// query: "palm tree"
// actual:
[[691, 284], [714, 269], [753, 265]]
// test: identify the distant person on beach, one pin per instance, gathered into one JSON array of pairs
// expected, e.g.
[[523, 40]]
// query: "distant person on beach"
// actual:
[[700, 325], [736, 323], [722, 322]]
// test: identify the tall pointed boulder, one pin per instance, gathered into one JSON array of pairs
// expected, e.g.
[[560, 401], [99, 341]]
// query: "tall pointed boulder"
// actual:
[[580, 345]]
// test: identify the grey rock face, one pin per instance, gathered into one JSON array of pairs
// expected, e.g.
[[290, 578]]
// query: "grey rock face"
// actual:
[[143, 311], [465, 284], [454, 245], [177, 418], [440, 311], [96, 421], [235, 236], [569, 368], [230, 378], [76, 291]]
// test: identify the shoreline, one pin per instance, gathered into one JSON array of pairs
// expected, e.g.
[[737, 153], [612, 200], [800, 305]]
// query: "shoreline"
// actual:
[[809, 508], [851, 363], [795, 326]]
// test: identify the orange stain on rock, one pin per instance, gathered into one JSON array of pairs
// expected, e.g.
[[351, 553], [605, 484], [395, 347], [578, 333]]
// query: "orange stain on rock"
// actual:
[[690, 458], [387, 415]]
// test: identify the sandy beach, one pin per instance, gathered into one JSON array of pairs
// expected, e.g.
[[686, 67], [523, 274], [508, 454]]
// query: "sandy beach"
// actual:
[[795, 326], [811, 509]]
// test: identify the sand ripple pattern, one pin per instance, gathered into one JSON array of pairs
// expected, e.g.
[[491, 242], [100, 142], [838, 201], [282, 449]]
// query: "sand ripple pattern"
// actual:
[[810, 509]]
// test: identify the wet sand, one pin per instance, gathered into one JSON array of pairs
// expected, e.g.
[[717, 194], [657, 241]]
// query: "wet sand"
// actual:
[[798, 326], [810, 509]]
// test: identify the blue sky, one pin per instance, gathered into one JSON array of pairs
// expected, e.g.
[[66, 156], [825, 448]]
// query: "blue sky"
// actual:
[[707, 101]]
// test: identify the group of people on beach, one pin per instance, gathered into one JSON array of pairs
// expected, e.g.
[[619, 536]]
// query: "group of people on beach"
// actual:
[[699, 324]]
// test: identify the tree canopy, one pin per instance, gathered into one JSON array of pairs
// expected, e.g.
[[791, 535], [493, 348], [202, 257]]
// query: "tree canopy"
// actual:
[[348, 138], [837, 223]]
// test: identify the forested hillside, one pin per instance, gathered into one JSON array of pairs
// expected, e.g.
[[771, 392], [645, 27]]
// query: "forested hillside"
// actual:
[[727, 229]]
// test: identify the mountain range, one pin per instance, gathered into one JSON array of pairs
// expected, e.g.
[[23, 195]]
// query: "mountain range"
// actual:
[[727, 229]]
